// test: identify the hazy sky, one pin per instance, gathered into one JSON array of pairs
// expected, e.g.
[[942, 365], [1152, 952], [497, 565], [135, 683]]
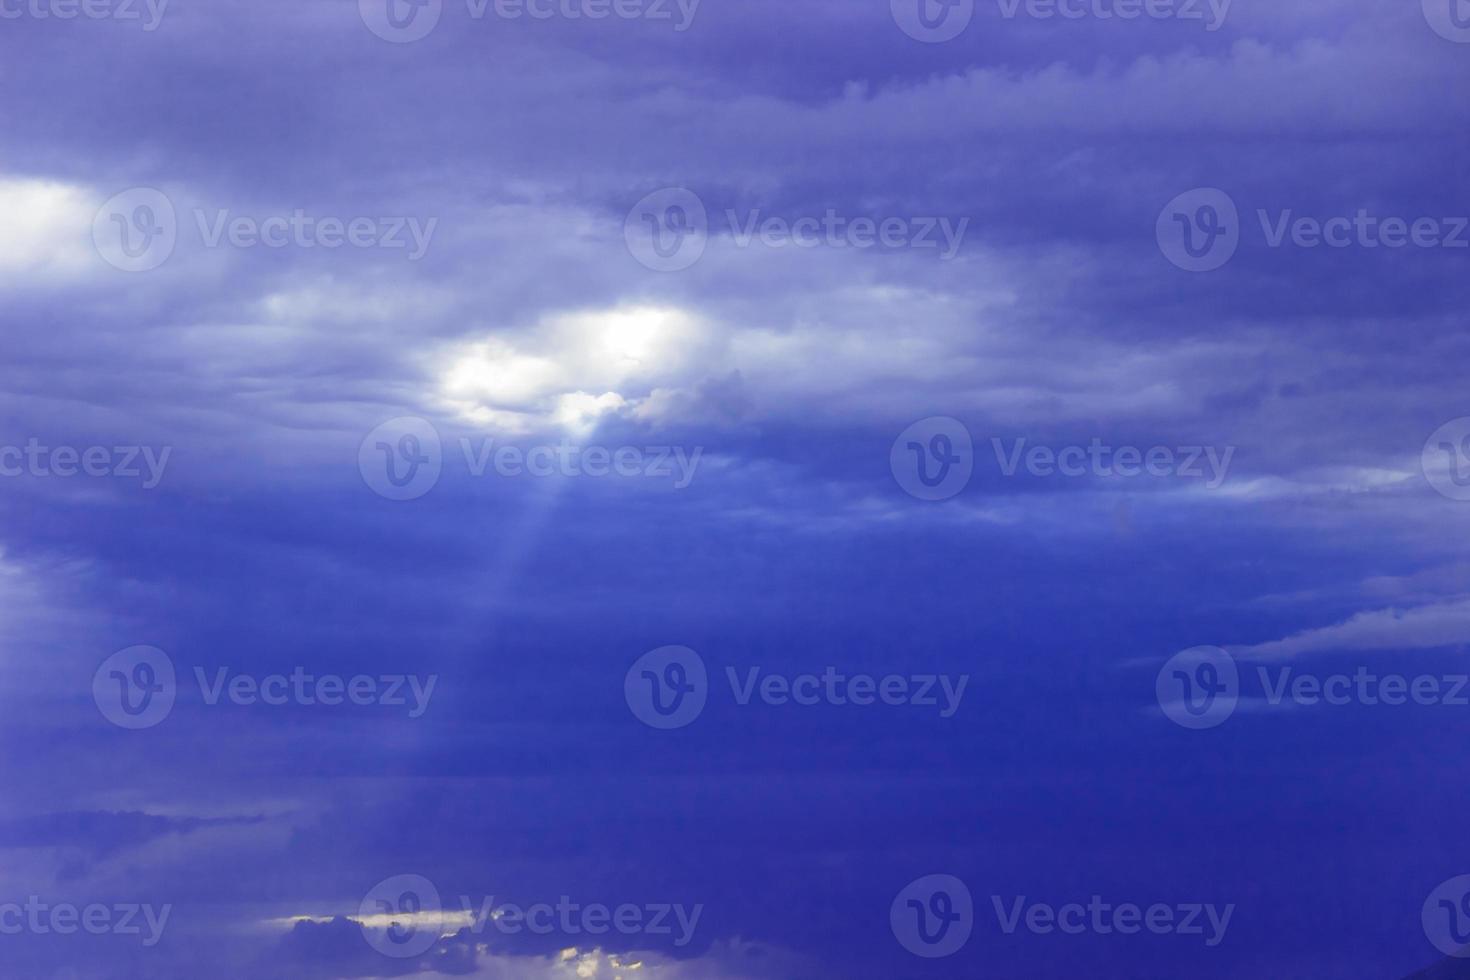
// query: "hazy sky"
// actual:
[[738, 471]]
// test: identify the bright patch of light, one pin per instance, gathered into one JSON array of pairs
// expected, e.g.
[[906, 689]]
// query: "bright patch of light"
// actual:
[[572, 369], [47, 228]]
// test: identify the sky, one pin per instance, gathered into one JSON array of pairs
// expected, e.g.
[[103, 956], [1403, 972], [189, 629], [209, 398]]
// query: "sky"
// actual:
[[534, 489]]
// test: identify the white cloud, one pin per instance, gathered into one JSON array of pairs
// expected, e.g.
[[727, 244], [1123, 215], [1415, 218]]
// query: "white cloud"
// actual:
[[1440, 624], [47, 230]]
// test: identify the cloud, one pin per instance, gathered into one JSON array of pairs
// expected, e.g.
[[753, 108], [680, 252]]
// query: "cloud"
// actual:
[[1441, 624]]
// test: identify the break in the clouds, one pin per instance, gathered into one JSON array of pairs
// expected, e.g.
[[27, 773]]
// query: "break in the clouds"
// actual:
[[509, 346]]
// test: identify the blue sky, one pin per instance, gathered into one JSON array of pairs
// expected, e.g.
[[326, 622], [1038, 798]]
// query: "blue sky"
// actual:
[[752, 458]]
